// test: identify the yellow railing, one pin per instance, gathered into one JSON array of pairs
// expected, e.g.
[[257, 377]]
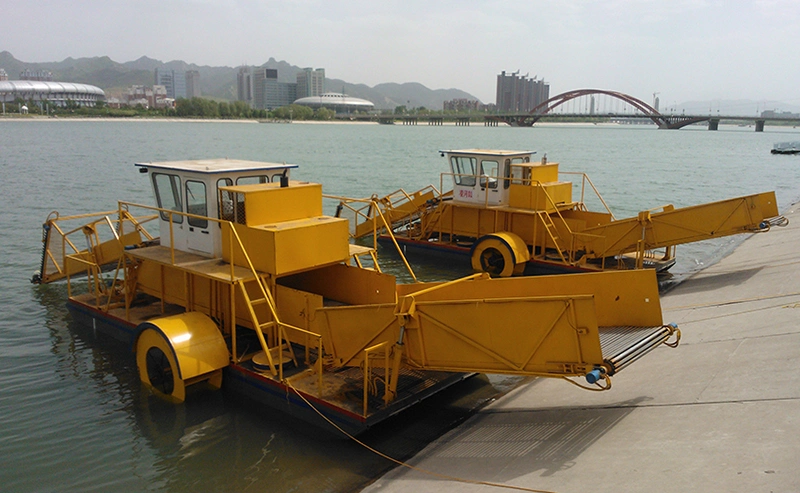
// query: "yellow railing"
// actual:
[[378, 215], [368, 386], [585, 179], [236, 241]]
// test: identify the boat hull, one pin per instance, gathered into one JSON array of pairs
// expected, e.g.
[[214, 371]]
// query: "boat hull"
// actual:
[[462, 254], [245, 382]]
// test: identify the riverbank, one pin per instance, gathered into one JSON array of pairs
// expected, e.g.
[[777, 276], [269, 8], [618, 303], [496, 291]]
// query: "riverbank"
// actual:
[[719, 413], [399, 123]]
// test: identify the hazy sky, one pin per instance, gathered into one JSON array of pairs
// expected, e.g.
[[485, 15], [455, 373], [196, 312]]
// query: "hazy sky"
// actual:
[[684, 49]]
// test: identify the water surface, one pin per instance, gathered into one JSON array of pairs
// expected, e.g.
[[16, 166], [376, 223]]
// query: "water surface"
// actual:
[[73, 416]]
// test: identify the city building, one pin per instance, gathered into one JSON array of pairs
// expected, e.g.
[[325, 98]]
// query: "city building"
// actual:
[[56, 93], [173, 80], [310, 82], [277, 94], [779, 114], [267, 92], [340, 103], [40, 75], [244, 85], [517, 93], [148, 97], [3, 75], [193, 84]]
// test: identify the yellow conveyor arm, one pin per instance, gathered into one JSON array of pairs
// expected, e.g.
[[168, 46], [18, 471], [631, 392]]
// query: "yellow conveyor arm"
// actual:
[[565, 325], [676, 226], [394, 211]]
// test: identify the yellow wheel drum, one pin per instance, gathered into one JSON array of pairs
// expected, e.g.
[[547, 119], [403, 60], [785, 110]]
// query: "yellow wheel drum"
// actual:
[[176, 351], [500, 254]]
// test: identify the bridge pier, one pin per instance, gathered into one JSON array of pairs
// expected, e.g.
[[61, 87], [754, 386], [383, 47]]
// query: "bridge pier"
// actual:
[[462, 122], [760, 125], [435, 121], [410, 121], [713, 124], [490, 122]]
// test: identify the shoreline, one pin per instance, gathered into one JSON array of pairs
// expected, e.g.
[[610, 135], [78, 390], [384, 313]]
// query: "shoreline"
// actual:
[[422, 123]]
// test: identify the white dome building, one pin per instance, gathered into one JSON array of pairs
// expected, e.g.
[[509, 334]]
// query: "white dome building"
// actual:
[[57, 93], [340, 103]]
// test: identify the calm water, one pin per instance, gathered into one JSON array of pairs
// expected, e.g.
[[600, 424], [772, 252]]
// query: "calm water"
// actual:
[[72, 413]]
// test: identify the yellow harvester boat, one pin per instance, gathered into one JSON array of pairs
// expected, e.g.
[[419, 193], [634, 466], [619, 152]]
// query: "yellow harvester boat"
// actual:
[[507, 212], [251, 287]]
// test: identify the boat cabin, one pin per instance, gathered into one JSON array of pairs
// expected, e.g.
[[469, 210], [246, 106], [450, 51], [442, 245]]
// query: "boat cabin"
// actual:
[[197, 188], [506, 178]]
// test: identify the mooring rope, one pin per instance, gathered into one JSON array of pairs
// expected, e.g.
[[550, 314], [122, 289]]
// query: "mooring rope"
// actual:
[[405, 464]]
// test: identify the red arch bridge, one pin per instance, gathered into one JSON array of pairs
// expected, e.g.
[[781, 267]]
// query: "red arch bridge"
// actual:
[[642, 110]]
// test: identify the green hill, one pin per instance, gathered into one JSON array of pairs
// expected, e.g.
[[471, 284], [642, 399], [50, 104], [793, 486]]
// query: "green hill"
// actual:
[[219, 82]]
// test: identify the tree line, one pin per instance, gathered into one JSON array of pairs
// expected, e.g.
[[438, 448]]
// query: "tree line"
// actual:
[[184, 108]]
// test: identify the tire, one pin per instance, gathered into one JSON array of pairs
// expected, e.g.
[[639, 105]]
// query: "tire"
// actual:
[[500, 255]]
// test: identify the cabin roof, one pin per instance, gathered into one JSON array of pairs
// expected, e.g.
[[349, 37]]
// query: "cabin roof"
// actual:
[[221, 165], [488, 152]]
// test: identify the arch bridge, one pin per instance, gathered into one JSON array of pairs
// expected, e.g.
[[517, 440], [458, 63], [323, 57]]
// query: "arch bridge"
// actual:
[[644, 109]]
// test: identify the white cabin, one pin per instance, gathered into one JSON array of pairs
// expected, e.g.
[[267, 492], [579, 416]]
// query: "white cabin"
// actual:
[[193, 187], [482, 176]]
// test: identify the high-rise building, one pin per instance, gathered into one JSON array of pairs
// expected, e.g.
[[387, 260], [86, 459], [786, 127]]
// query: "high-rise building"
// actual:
[[244, 85], [173, 80], [310, 82], [268, 92], [3, 74], [517, 93], [192, 84], [277, 94]]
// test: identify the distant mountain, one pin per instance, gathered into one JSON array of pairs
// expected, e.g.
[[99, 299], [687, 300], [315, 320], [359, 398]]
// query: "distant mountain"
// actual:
[[220, 82]]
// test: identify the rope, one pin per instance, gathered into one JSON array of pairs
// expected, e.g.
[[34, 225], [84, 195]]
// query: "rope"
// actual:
[[405, 464]]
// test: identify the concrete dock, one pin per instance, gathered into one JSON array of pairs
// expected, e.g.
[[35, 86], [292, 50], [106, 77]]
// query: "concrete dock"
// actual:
[[719, 413]]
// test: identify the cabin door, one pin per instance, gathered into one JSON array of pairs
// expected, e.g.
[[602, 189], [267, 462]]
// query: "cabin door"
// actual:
[[198, 229], [489, 187]]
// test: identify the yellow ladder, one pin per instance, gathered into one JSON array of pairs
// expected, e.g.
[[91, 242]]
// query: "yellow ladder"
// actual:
[[552, 232], [259, 326]]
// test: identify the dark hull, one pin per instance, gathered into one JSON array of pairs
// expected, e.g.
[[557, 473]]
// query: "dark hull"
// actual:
[[241, 379]]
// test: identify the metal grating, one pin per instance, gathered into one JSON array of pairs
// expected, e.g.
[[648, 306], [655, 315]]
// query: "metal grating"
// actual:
[[623, 345]]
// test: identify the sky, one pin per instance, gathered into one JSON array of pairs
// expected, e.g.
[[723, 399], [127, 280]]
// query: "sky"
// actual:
[[685, 50]]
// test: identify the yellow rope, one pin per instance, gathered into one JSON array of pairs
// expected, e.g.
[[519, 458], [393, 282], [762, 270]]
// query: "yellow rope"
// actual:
[[406, 465]]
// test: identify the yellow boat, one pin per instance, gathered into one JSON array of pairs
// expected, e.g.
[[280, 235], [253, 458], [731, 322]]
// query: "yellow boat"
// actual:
[[236, 278], [508, 212]]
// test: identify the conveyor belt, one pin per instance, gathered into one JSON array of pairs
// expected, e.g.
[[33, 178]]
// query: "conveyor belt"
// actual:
[[622, 346]]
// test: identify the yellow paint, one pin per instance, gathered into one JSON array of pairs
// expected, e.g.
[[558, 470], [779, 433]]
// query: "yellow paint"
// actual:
[[291, 246], [284, 273], [500, 254], [266, 203], [195, 341]]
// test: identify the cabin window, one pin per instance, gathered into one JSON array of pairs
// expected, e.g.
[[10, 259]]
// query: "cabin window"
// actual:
[[464, 170], [168, 195], [489, 174], [507, 173], [252, 180], [225, 200], [196, 203]]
